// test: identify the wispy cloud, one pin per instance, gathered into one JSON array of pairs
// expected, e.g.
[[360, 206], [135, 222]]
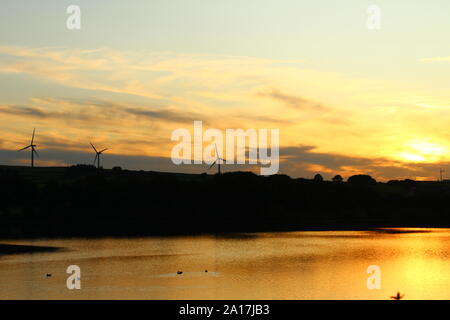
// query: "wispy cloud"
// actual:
[[92, 110], [23, 111], [146, 74], [292, 101]]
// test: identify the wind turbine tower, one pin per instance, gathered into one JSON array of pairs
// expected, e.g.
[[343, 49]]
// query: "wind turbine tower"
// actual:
[[33, 149], [218, 161], [97, 156]]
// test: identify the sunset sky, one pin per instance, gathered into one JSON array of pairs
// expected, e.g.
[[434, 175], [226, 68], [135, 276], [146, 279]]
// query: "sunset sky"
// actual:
[[346, 99]]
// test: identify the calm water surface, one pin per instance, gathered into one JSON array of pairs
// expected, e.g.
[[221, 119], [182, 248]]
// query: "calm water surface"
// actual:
[[293, 265]]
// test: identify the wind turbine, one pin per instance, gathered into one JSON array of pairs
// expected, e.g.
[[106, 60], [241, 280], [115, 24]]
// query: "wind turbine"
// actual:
[[33, 149], [218, 161], [97, 155]]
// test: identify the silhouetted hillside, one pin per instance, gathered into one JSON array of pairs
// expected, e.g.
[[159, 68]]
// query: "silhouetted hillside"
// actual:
[[82, 201]]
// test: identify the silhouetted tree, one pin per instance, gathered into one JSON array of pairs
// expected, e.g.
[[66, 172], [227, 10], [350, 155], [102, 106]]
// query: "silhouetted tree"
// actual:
[[318, 178], [338, 178], [361, 180], [81, 168]]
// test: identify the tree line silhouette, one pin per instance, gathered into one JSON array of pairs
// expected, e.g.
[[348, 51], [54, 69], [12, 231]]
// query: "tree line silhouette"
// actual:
[[84, 201]]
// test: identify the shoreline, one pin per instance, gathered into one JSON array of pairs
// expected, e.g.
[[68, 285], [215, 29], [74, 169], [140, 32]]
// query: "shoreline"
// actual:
[[232, 233], [10, 249]]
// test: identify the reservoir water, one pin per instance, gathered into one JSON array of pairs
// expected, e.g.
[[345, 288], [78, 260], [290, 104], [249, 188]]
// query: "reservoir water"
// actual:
[[290, 265]]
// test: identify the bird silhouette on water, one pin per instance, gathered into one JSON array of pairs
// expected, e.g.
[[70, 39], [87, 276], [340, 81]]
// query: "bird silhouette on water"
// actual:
[[179, 272], [398, 296]]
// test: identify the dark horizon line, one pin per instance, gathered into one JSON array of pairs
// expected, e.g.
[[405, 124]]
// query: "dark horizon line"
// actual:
[[209, 174]]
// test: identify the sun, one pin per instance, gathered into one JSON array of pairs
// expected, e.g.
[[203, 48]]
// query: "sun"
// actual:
[[412, 157], [422, 151]]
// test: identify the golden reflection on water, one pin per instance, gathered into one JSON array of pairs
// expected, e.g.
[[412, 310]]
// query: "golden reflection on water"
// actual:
[[291, 265]]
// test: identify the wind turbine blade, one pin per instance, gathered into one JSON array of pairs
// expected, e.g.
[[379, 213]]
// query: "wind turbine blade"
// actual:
[[35, 152], [32, 137], [24, 148], [93, 147], [103, 150], [217, 151], [213, 164], [95, 159]]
